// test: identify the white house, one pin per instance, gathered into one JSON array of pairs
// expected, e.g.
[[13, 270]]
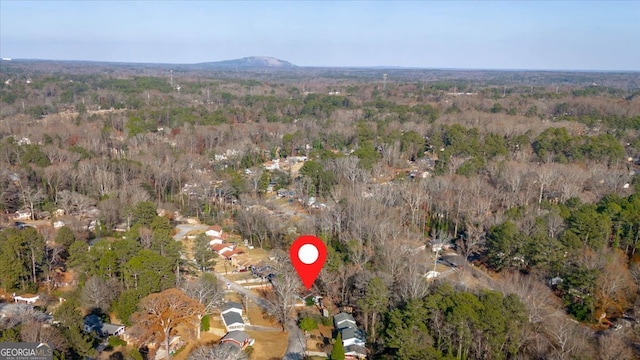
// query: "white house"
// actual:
[[215, 241], [112, 329], [214, 231], [92, 323], [352, 352], [222, 248], [231, 313], [353, 339], [272, 165], [26, 299], [343, 320], [22, 215], [353, 336]]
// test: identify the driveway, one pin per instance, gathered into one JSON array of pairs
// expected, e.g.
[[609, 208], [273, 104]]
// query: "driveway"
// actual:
[[184, 229], [296, 343]]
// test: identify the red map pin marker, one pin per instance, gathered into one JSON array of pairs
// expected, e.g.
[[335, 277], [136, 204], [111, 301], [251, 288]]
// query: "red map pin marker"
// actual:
[[308, 254]]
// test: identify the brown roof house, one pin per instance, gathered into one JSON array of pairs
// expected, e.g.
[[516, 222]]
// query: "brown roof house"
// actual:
[[237, 338]]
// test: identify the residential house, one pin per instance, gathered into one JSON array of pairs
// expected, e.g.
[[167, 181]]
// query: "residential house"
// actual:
[[285, 193], [237, 338], [353, 338], [352, 352], [231, 313], [28, 299], [242, 261], [216, 241], [112, 329], [214, 231], [262, 271], [272, 165], [343, 320], [220, 248], [93, 323], [231, 254], [22, 215]]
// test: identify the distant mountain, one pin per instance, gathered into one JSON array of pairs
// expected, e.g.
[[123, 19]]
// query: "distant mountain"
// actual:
[[252, 62]]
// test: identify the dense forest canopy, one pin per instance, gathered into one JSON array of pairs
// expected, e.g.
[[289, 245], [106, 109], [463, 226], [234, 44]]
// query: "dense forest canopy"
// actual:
[[530, 177]]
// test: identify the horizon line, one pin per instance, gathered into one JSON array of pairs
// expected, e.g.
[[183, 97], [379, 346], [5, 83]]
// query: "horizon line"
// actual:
[[377, 67]]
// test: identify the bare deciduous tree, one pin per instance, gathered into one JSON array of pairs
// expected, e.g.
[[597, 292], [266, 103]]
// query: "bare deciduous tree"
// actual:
[[413, 285], [98, 293], [41, 332], [161, 314], [473, 241], [206, 291], [224, 351], [31, 199], [566, 338], [614, 346], [286, 284], [541, 303]]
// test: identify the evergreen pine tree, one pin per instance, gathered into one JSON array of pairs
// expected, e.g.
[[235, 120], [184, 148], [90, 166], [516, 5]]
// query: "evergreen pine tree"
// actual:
[[337, 353]]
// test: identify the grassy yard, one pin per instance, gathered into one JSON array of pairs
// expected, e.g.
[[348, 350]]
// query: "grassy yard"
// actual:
[[269, 345], [206, 338], [257, 317], [319, 338]]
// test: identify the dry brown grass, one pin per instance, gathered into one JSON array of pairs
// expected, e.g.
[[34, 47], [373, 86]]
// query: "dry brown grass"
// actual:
[[322, 332], [258, 317], [206, 339], [268, 344]]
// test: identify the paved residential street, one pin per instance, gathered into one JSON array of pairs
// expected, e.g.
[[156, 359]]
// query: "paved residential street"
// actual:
[[296, 343], [183, 230]]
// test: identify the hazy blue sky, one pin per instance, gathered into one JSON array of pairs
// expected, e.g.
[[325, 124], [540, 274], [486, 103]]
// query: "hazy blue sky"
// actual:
[[576, 35]]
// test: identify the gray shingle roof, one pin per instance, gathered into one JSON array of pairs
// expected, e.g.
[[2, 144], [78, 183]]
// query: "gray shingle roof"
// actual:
[[239, 336], [355, 349], [351, 333], [343, 320], [93, 322], [231, 305], [111, 329], [231, 318]]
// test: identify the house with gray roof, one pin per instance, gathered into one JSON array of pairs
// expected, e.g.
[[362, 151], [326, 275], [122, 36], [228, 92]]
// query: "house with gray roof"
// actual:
[[93, 323], [343, 320], [231, 313], [353, 338]]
